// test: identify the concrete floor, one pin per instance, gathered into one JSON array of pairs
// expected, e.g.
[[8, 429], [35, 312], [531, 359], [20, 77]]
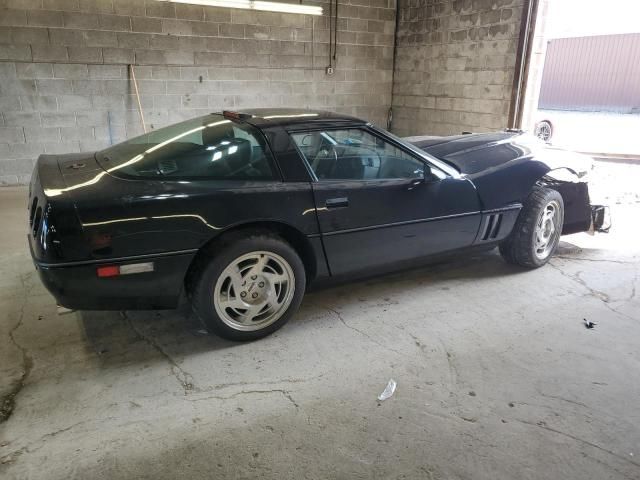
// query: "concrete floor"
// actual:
[[497, 376]]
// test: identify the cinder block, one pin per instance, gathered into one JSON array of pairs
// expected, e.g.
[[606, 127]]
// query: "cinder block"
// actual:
[[38, 103], [117, 87], [97, 38], [22, 119], [9, 180], [58, 119], [49, 53], [163, 42], [58, 148], [13, 17], [160, 9], [9, 103], [189, 12], [107, 71], [43, 18], [12, 134], [150, 57], [72, 103], [108, 102], [205, 29], [34, 70], [85, 54], [165, 73], [184, 87], [143, 24], [29, 35], [96, 6], [60, 4], [69, 70], [15, 167], [177, 27], [62, 36], [117, 23], [194, 73], [42, 134], [129, 7], [118, 56], [80, 20], [54, 86], [231, 30], [88, 87], [92, 118], [93, 145], [152, 87], [167, 101], [217, 14], [131, 102], [133, 40], [15, 52]]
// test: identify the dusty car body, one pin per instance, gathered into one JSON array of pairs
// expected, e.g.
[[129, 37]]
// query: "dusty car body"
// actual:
[[124, 228]]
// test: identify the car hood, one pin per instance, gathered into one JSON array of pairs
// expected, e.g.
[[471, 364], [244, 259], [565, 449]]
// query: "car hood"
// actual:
[[475, 153]]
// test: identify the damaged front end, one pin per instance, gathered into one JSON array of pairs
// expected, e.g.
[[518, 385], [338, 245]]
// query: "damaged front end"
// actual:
[[600, 219], [579, 214]]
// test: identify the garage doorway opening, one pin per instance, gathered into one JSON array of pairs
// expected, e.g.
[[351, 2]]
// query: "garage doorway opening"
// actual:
[[582, 77]]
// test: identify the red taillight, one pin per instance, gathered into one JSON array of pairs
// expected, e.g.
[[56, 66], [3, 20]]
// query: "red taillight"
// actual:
[[108, 271]]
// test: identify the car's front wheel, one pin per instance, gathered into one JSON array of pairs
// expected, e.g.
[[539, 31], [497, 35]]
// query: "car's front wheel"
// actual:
[[536, 234], [249, 288]]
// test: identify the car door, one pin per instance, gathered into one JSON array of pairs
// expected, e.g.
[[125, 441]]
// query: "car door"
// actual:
[[373, 205]]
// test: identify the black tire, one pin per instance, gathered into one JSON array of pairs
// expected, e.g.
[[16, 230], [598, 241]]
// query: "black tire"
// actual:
[[520, 247], [221, 256]]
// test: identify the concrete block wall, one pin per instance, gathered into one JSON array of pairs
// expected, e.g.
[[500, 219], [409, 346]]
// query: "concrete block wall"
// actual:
[[455, 64], [65, 84]]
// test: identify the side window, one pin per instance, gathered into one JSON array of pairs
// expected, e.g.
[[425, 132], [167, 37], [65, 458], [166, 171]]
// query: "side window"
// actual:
[[208, 147], [355, 154]]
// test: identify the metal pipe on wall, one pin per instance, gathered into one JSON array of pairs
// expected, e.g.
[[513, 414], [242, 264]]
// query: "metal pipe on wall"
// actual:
[[523, 59]]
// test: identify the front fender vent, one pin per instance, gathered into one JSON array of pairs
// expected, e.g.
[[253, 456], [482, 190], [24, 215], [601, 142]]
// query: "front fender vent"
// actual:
[[491, 227]]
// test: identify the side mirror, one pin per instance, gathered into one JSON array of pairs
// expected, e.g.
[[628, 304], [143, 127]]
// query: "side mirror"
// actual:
[[425, 177]]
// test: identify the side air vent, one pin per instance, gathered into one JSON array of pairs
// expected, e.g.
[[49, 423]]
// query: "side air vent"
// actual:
[[36, 221], [491, 227], [32, 211]]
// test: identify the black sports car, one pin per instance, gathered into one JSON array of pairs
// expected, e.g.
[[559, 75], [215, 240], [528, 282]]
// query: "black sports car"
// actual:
[[241, 211]]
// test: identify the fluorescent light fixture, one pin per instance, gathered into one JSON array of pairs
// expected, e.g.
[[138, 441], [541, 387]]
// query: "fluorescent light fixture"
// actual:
[[255, 5]]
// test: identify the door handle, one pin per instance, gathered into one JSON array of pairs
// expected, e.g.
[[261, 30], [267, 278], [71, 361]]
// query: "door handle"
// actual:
[[336, 202]]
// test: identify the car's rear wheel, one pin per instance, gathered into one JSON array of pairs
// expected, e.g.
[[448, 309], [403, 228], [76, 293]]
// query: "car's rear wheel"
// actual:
[[537, 231], [249, 288]]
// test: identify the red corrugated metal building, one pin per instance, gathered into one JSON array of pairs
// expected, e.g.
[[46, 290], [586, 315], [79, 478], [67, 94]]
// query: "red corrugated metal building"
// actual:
[[600, 73]]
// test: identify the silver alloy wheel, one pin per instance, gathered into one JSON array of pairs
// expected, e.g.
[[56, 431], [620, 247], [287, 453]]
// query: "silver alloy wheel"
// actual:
[[543, 130], [254, 291], [546, 231]]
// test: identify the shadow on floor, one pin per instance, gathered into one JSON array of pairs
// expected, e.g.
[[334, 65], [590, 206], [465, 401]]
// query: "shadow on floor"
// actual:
[[138, 336]]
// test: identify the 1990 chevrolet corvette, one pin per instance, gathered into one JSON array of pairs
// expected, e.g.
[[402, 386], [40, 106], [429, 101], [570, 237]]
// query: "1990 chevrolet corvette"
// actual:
[[240, 211]]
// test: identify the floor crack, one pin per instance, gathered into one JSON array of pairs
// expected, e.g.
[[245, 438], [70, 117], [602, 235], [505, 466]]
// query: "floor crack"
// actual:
[[184, 378], [578, 439], [7, 404], [285, 393], [364, 334], [603, 297]]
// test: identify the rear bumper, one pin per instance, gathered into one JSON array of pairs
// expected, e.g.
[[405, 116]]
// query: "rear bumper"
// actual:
[[78, 287]]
